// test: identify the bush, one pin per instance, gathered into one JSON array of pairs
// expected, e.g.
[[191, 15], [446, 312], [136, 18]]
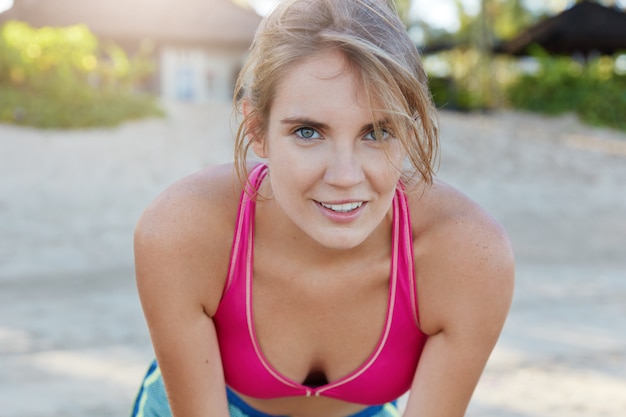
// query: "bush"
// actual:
[[449, 94], [63, 77], [592, 90], [468, 79]]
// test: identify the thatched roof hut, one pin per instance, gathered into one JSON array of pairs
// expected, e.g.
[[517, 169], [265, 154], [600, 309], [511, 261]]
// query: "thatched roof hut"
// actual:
[[585, 28]]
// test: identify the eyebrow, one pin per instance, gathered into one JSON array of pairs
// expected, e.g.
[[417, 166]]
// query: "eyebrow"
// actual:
[[305, 121]]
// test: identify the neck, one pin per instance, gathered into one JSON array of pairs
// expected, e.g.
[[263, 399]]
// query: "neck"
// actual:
[[275, 229]]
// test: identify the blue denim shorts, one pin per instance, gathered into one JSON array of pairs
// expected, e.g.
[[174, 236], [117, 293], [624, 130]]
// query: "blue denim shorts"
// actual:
[[151, 401]]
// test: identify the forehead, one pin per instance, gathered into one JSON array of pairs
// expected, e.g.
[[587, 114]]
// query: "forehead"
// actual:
[[325, 77]]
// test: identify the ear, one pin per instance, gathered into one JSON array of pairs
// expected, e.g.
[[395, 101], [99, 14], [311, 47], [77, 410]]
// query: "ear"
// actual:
[[253, 128]]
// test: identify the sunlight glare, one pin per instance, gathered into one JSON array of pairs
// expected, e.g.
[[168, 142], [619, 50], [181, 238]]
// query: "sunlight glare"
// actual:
[[263, 7], [620, 65], [440, 14], [5, 5]]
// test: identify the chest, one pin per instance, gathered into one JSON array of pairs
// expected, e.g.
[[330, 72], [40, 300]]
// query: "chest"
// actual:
[[319, 324], [297, 326]]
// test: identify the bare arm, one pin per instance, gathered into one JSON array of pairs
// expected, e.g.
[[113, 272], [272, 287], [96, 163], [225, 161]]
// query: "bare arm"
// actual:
[[465, 283], [180, 280]]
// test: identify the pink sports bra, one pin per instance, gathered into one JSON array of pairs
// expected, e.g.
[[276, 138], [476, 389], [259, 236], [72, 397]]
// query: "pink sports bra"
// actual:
[[383, 377]]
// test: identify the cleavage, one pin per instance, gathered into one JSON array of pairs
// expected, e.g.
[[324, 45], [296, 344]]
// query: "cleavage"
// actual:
[[315, 379]]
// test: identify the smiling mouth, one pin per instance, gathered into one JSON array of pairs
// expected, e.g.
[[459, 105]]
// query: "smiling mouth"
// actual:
[[342, 208]]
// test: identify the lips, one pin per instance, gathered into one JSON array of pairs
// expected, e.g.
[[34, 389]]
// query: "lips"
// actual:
[[343, 207]]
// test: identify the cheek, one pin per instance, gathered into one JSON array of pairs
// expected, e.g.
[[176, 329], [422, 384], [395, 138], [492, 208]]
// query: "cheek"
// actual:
[[397, 154], [389, 162]]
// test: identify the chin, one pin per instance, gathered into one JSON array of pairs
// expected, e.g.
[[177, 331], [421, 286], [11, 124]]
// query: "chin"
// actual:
[[339, 241]]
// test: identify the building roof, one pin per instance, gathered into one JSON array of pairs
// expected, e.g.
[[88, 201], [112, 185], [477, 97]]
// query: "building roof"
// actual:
[[183, 21], [586, 27]]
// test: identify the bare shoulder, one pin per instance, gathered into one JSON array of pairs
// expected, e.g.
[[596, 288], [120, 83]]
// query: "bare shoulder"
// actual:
[[201, 199], [183, 238], [463, 257], [447, 216]]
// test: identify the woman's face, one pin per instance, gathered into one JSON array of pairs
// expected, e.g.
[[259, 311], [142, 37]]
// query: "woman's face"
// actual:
[[331, 175]]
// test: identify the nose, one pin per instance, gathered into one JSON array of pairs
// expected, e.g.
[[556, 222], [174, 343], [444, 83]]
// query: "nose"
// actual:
[[344, 168]]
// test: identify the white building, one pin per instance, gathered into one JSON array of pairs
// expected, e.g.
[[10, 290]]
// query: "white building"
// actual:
[[200, 44]]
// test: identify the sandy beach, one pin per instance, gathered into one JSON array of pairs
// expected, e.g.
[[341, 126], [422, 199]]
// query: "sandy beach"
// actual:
[[73, 341]]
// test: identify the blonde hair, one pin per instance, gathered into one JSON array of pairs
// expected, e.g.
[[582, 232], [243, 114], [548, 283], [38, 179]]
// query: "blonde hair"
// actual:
[[375, 43]]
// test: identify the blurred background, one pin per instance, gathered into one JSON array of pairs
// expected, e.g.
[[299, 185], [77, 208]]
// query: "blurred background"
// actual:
[[104, 62], [103, 104]]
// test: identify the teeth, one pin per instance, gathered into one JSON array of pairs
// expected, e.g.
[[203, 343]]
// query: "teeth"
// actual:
[[343, 208]]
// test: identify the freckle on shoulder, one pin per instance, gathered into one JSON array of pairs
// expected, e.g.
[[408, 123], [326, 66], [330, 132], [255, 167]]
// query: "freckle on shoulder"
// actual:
[[442, 210]]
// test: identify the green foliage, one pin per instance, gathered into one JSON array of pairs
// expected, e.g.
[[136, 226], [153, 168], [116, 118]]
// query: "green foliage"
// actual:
[[63, 77], [450, 95], [496, 20], [466, 79], [402, 7], [508, 17], [593, 90]]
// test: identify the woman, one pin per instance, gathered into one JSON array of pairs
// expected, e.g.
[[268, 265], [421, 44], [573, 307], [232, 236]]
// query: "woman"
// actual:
[[338, 274]]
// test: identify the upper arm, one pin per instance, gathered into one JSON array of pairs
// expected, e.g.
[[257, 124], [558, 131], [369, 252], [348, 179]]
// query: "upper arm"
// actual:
[[465, 283], [180, 264]]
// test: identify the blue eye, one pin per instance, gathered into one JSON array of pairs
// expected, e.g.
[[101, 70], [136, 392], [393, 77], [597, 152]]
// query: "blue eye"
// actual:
[[378, 135], [307, 133]]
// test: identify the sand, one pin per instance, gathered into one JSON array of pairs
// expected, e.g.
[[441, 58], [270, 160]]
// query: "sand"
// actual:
[[73, 340]]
